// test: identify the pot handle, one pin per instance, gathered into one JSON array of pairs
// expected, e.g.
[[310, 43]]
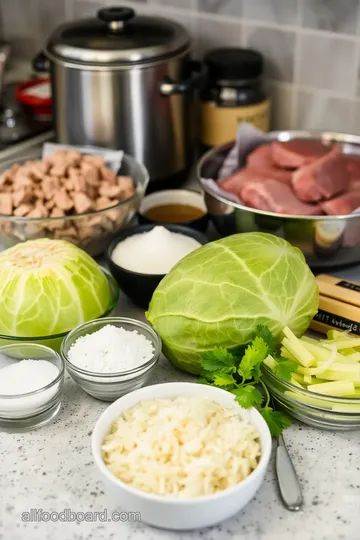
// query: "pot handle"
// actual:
[[40, 63], [116, 17], [196, 81]]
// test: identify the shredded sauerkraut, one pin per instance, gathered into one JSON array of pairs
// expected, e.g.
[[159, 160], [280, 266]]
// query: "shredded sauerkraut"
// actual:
[[181, 447]]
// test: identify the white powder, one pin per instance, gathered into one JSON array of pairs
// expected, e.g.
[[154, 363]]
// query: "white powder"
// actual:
[[21, 378], [111, 350], [153, 252], [26, 376]]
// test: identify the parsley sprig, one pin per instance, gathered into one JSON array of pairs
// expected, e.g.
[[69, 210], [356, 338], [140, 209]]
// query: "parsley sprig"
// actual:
[[239, 372]]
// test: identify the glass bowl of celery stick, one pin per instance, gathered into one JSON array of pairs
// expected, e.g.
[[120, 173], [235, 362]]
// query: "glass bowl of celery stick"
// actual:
[[324, 389]]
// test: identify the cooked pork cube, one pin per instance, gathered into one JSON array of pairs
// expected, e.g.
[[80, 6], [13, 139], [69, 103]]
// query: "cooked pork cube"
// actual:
[[63, 201], [6, 204], [82, 203]]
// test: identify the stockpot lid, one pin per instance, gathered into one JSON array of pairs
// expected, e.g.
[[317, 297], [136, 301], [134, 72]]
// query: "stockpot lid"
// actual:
[[116, 36]]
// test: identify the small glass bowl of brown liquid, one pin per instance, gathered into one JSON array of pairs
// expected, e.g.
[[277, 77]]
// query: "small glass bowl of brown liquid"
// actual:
[[178, 206]]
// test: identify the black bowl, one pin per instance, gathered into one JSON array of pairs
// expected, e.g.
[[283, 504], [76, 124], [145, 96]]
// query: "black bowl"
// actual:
[[137, 286], [175, 196]]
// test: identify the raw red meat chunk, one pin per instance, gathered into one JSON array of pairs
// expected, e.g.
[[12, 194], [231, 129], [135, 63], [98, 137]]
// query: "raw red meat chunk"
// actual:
[[274, 196], [261, 162], [283, 176], [234, 184], [345, 204], [297, 152], [353, 168], [354, 185], [322, 179]]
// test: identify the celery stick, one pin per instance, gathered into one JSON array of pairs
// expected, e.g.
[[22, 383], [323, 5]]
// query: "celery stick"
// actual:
[[346, 408], [335, 388], [321, 367], [299, 378], [333, 334], [308, 339], [356, 394], [308, 379], [350, 358], [301, 355], [298, 350], [339, 366], [308, 400], [270, 362], [344, 343], [334, 375], [295, 383], [347, 352], [286, 354], [321, 354], [335, 372]]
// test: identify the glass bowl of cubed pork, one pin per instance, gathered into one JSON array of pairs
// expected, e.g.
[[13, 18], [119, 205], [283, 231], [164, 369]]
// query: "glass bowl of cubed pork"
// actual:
[[300, 185], [69, 196]]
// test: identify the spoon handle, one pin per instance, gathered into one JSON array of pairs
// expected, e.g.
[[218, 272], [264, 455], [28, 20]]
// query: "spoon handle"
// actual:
[[289, 485]]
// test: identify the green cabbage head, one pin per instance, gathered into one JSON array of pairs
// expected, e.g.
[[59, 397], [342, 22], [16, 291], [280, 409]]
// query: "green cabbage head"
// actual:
[[218, 294], [48, 287]]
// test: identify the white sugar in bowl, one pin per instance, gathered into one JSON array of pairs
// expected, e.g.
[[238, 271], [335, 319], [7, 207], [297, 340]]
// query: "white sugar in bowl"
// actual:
[[31, 383]]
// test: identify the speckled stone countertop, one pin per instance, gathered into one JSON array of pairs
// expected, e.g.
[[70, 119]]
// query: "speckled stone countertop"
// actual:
[[52, 469]]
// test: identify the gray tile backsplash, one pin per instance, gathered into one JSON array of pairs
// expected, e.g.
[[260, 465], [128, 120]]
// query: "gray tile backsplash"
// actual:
[[224, 7], [271, 11], [331, 15], [316, 111], [277, 46], [328, 63], [212, 33], [311, 47]]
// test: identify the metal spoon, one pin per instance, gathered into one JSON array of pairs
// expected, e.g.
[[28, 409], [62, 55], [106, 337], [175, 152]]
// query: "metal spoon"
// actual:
[[289, 485]]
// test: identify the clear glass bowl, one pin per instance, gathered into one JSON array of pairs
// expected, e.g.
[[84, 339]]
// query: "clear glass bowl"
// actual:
[[316, 410], [111, 386], [54, 341], [31, 410], [92, 231]]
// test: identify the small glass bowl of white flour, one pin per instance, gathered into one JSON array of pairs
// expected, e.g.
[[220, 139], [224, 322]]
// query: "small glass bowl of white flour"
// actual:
[[112, 356], [31, 382]]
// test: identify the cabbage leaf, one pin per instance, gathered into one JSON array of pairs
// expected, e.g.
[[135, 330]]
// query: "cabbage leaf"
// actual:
[[217, 295], [48, 287]]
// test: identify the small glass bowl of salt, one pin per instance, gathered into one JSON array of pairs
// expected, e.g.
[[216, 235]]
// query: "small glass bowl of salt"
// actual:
[[31, 382], [112, 356]]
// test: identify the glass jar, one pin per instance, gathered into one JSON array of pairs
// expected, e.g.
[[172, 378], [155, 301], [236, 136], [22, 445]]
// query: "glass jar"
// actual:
[[234, 94]]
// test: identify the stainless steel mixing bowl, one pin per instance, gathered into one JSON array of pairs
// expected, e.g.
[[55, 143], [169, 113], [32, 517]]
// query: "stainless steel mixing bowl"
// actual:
[[326, 241]]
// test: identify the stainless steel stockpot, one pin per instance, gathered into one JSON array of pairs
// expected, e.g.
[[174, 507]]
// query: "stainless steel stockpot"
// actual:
[[326, 241], [126, 81]]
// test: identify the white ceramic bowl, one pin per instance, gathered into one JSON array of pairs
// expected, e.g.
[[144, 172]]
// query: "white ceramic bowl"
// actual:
[[184, 514]]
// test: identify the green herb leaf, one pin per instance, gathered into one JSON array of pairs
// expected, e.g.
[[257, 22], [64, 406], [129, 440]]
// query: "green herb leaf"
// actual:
[[263, 332], [202, 380], [276, 420], [285, 368], [232, 369], [248, 396], [254, 355], [218, 360], [223, 379]]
